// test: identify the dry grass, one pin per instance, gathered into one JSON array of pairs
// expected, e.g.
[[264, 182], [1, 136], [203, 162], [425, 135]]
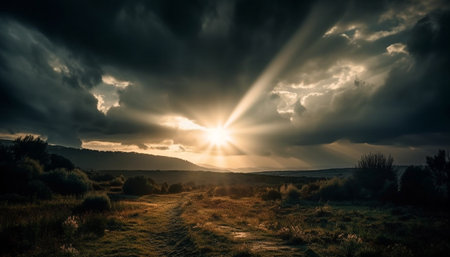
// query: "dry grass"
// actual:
[[197, 224]]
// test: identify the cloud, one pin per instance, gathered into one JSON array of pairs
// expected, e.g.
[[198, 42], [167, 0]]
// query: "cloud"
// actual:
[[145, 73], [396, 49]]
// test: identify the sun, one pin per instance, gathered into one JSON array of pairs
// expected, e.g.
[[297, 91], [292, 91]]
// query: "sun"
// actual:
[[218, 136]]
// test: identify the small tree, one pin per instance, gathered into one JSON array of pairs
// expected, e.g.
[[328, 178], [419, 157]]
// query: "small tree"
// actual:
[[32, 147], [376, 176], [440, 169], [375, 161]]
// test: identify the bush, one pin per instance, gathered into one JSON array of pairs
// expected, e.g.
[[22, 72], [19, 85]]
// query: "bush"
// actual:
[[60, 162], [416, 186], [308, 190], [37, 189], [439, 166], [335, 189], [100, 177], [66, 182], [117, 181], [375, 161], [271, 195], [32, 147], [96, 203], [139, 185], [28, 169], [292, 193], [164, 188], [16, 178], [175, 188], [376, 177]]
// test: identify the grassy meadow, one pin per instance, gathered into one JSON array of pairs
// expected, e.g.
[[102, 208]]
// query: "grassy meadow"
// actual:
[[210, 221], [48, 207]]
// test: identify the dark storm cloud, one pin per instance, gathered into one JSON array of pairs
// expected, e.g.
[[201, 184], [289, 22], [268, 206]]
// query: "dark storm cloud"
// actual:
[[185, 57], [45, 90], [411, 107]]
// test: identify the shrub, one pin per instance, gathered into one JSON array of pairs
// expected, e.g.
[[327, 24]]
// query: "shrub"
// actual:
[[308, 190], [32, 147], [335, 189], [375, 161], [38, 189], [376, 177], [292, 193], [440, 169], [100, 177], [96, 203], [139, 185], [58, 161], [16, 178], [28, 168], [164, 188], [175, 188], [117, 181], [271, 195], [416, 186], [67, 182]]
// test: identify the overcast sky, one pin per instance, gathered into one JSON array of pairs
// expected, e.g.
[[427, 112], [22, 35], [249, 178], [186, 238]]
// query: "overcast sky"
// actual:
[[294, 84]]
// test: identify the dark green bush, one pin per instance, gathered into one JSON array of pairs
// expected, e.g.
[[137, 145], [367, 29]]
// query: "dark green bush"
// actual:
[[271, 195], [416, 186], [96, 203], [100, 177], [376, 177], [292, 193], [66, 182], [59, 162], [139, 185], [29, 168], [439, 165], [31, 147], [334, 189], [38, 189], [175, 188]]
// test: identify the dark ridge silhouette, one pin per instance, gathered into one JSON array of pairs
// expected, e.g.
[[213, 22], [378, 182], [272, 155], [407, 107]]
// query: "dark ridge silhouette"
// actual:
[[106, 160]]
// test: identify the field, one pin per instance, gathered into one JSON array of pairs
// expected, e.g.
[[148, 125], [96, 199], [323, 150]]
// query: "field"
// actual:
[[221, 218]]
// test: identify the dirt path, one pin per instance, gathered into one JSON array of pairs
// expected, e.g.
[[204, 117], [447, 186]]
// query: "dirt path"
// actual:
[[173, 238], [152, 226]]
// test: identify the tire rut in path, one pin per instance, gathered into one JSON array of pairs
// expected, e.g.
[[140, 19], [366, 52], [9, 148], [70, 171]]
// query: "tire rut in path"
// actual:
[[175, 236]]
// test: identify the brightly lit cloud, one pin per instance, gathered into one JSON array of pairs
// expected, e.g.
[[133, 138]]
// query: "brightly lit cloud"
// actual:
[[338, 77], [106, 92]]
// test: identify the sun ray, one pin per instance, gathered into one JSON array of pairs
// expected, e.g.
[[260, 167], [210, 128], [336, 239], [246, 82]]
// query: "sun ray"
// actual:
[[298, 41]]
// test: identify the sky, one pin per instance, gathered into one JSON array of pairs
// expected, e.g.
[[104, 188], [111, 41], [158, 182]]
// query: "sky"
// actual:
[[241, 85]]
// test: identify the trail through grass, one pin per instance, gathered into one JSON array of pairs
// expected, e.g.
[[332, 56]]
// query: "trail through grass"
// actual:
[[151, 227]]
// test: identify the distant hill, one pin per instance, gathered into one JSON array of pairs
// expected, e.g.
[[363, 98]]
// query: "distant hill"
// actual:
[[105, 160], [325, 173]]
